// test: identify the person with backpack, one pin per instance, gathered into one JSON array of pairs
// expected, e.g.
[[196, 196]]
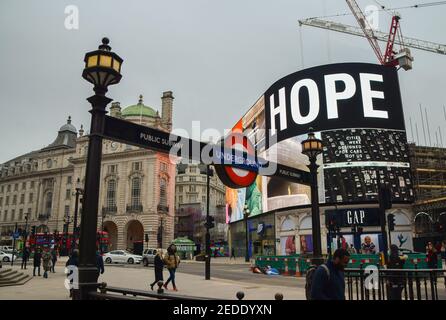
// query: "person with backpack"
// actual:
[[326, 282], [172, 261]]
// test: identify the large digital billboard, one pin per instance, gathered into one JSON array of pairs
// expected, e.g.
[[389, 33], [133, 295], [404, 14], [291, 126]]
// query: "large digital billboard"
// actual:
[[356, 110]]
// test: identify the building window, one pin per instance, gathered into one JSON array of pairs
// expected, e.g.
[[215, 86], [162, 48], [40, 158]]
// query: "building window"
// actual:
[[5, 216], [136, 192], [49, 163], [1, 201], [163, 192], [12, 215], [9, 188], [193, 179], [48, 203], [23, 185], [22, 198], [203, 199], [180, 189], [31, 196], [16, 187], [112, 168], [192, 169], [180, 179], [32, 184], [67, 211], [7, 201], [69, 180], [68, 194], [180, 199], [14, 199], [20, 214], [136, 166], [111, 193], [193, 188], [29, 213], [3, 189]]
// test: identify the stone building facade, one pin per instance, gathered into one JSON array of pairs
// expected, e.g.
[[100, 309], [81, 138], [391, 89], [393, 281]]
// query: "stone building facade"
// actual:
[[190, 203], [136, 192]]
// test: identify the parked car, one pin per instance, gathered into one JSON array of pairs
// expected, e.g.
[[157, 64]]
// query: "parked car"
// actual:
[[121, 256], [6, 248], [148, 256], [6, 257]]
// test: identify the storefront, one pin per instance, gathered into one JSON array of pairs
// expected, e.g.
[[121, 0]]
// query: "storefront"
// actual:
[[261, 236], [359, 226]]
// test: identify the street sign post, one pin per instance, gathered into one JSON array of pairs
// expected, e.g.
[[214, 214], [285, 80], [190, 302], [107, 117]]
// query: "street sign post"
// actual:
[[162, 141]]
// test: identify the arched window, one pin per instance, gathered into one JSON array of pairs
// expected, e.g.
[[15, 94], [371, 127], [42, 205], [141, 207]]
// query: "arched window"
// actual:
[[48, 203], [136, 192], [163, 192], [111, 194]]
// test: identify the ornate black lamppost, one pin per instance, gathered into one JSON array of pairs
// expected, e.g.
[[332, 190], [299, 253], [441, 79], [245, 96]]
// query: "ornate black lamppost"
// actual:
[[102, 68], [312, 147]]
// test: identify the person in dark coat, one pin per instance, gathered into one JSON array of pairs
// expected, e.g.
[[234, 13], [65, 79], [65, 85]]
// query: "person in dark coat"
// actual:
[[232, 253], [158, 267], [328, 280], [396, 279], [25, 257], [73, 261], [37, 261], [99, 264], [53, 260], [432, 258]]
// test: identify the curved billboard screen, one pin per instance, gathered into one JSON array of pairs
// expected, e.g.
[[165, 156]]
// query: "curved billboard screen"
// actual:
[[356, 110]]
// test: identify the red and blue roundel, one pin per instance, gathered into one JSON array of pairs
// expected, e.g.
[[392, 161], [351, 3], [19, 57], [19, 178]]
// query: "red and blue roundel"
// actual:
[[234, 177]]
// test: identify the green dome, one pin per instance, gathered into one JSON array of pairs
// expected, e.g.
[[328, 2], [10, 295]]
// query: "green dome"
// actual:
[[138, 110]]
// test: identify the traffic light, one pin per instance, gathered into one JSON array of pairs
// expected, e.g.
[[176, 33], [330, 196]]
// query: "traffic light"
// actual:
[[146, 237], [391, 222], [210, 222]]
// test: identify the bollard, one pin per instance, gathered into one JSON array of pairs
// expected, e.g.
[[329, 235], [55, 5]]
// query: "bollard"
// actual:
[[160, 287], [240, 295], [278, 296]]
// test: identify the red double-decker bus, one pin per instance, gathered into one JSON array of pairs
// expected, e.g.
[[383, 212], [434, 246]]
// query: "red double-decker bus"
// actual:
[[64, 241]]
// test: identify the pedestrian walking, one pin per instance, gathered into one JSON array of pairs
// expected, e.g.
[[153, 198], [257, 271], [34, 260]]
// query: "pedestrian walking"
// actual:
[[158, 267], [351, 249], [396, 279], [232, 253], [327, 281], [37, 260], [432, 258], [25, 257], [172, 261], [72, 262], [46, 262], [99, 264], [53, 260]]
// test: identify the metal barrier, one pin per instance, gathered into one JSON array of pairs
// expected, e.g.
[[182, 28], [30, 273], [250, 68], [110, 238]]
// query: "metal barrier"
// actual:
[[114, 293], [394, 284]]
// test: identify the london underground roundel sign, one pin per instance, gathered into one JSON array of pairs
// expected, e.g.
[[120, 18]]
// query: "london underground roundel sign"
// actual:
[[231, 176]]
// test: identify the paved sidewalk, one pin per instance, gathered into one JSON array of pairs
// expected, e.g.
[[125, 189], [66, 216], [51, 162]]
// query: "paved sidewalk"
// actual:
[[222, 260], [53, 287]]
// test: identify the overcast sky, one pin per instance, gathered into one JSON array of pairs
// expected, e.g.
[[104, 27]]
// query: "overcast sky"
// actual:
[[217, 57]]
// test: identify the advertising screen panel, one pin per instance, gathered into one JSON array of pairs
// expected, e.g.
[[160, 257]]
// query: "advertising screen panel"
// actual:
[[356, 110]]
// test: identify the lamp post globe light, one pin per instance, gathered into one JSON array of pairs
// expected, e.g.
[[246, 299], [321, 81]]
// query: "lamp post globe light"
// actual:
[[245, 216], [312, 147], [102, 69]]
